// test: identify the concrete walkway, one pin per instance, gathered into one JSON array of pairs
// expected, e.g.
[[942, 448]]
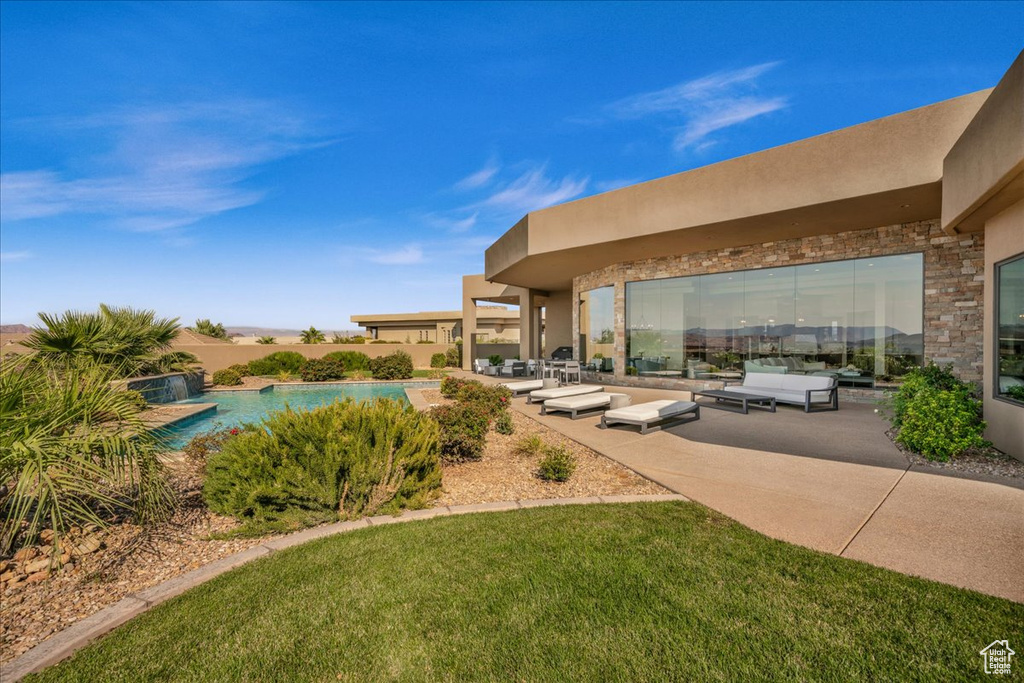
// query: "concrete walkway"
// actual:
[[832, 481]]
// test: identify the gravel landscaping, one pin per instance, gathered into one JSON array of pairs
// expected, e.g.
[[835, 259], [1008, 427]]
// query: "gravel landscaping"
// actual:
[[501, 474], [125, 559]]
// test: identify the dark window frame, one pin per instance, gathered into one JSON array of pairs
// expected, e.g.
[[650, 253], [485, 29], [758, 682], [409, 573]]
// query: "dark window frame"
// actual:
[[995, 331]]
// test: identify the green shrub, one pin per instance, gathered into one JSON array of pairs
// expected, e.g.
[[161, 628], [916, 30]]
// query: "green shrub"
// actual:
[[438, 360], [137, 399], [357, 339], [397, 365], [424, 341], [1016, 393], [504, 424], [491, 399], [266, 340], [339, 461], [215, 330], [453, 356], [451, 385], [495, 359], [558, 464], [941, 424], [322, 370], [931, 376], [241, 368], [463, 431], [284, 376], [227, 378], [274, 363], [529, 445], [353, 360]]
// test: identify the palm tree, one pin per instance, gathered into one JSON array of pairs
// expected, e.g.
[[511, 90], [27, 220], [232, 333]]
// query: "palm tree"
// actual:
[[312, 336], [266, 340], [128, 340], [72, 444], [217, 331]]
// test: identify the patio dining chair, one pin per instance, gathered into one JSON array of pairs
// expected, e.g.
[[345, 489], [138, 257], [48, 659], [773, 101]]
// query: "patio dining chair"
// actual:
[[570, 371]]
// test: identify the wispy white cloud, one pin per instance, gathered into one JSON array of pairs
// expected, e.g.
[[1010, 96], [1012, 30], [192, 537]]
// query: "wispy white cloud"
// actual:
[[451, 224], [534, 190], [165, 167], [697, 108], [404, 256], [479, 178], [11, 256]]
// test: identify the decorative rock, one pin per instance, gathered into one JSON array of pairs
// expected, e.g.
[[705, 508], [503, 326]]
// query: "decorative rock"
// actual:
[[88, 545], [24, 554], [37, 577], [46, 535], [8, 576], [37, 565]]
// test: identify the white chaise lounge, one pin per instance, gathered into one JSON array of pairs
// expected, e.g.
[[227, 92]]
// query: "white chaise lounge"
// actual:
[[653, 415], [562, 392], [584, 403], [802, 390], [524, 387]]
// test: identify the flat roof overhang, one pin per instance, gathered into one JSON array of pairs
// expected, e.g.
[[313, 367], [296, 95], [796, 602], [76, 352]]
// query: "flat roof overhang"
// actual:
[[878, 173]]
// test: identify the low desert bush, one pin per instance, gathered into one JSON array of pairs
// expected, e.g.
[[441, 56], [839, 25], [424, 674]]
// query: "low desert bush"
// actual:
[[284, 376], [453, 356], [558, 464], [935, 414], [353, 360], [397, 365], [1016, 393], [451, 385], [201, 446], [463, 431], [438, 360], [322, 370], [227, 378], [491, 399], [241, 368], [274, 363], [529, 445], [503, 424], [340, 461], [137, 399]]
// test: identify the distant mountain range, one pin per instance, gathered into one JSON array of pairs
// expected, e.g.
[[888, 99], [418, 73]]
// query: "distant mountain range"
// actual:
[[15, 329], [245, 331]]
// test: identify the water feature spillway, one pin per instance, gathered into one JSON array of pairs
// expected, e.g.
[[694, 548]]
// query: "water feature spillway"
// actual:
[[176, 386]]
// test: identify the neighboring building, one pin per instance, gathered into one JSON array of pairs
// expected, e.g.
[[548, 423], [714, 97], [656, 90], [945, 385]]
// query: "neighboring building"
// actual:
[[866, 251], [441, 327]]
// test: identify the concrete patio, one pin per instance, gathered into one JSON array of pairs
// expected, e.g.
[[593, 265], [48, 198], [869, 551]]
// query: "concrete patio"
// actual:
[[832, 481]]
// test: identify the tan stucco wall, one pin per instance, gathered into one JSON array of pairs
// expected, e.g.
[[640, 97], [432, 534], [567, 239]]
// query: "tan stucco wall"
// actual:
[[1004, 237], [878, 173], [217, 357], [558, 322], [987, 158]]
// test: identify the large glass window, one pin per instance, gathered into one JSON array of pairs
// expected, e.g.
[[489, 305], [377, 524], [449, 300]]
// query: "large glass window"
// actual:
[[597, 327], [860, 319], [1010, 328]]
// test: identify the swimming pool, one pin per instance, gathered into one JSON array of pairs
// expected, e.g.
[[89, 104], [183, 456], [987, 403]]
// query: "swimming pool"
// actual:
[[237, 407]]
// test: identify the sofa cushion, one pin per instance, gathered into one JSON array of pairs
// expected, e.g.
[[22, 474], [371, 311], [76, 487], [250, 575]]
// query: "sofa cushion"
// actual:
[[764, 380], [804, 382]]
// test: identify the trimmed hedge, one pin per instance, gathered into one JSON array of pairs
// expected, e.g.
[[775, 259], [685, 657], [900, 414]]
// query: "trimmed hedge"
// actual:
[[322, 370], [227, 378], [353, 360], [438, 360], [397, 365], [276, 362]]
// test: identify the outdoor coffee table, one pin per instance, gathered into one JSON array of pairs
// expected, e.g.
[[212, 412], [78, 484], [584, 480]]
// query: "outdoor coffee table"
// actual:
[[724, 397]]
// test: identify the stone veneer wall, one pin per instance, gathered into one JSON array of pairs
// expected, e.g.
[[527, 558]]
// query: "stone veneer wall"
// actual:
[[954, 270]]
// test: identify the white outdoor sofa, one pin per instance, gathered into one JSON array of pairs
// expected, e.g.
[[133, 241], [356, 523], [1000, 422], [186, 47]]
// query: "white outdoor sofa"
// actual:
[[562, 392], [524, 387], [653, 415], [584, 403], [802, 390]]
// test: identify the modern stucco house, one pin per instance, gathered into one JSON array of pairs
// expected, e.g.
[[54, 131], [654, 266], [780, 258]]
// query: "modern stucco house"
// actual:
[[866, 250], [441, 327]]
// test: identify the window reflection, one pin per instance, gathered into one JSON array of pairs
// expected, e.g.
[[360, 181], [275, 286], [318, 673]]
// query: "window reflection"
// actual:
[[858, 319], [1010, 305], [597, 328]]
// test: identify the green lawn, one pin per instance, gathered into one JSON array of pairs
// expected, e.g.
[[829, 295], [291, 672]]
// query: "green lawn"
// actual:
[[642, 592]]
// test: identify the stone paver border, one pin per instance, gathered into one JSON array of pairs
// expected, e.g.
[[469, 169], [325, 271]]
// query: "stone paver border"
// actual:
[[65, 643]]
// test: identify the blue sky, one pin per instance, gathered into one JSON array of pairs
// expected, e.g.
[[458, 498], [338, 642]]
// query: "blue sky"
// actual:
[[288, 164]]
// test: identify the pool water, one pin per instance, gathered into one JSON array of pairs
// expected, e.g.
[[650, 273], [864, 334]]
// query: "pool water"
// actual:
[[237, 407]]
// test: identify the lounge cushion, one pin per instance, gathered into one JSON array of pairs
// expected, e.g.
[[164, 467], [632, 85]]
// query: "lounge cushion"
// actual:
[[580, 402], [650, 411], [564, 392], [526, 385]]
